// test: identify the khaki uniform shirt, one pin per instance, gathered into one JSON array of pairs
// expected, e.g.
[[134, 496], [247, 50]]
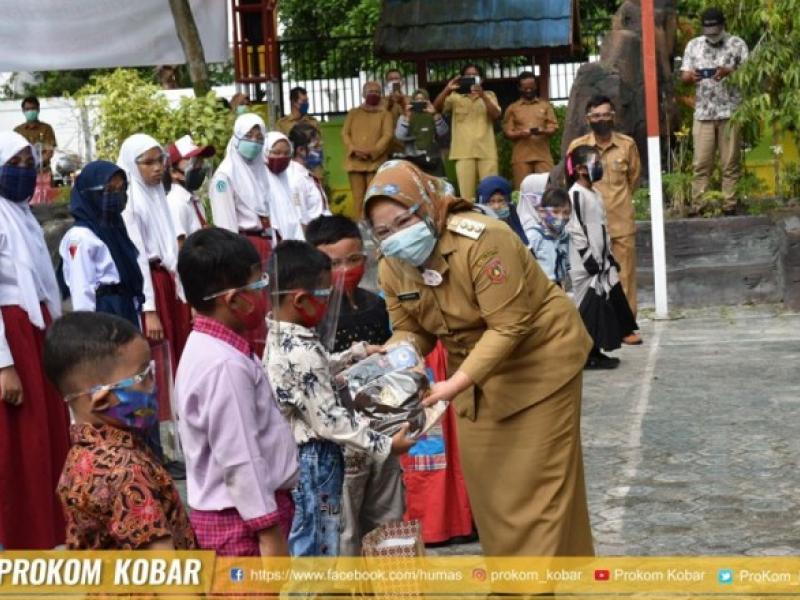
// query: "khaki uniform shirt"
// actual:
[[523, 115], [368, 131], [285, 124], [38, 132], [514, 332], [473, 130], [397, 110], [621, 170]]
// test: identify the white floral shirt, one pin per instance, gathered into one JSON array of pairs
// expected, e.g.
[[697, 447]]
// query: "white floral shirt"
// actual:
[[715, 100], [301, 372]]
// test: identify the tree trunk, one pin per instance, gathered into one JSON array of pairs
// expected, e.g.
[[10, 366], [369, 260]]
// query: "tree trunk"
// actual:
[[192, 46]]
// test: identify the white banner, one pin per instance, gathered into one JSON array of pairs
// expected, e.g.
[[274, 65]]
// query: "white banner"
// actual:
[[48, 35]]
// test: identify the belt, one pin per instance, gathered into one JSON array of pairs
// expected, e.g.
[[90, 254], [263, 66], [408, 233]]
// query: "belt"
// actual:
[[253, 232], [155, 262], [114, 289]]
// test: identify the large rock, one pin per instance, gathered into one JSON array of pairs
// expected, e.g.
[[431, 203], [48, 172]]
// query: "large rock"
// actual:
[[55, 221]]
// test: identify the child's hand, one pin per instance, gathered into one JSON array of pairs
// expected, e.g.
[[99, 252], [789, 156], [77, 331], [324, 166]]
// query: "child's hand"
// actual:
[[10, 386], [400, 442], [153, 327], [372, 349]]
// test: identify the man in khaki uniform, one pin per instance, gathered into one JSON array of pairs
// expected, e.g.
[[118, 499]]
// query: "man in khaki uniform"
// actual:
[[298, 97], [37, 132], [516, 348], [621, 170], [529, 123], [395, 101], [473, 146], [367, 134]]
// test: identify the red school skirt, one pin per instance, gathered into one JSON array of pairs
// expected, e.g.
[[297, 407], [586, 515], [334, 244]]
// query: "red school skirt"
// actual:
[[34, 440]]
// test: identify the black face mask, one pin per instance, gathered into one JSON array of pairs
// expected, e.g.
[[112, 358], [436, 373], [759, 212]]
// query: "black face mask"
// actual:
[[528, 95], [601, 128], [194, 178]]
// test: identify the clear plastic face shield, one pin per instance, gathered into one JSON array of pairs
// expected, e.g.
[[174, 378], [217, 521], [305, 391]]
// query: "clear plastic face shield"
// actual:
[[329, 324]]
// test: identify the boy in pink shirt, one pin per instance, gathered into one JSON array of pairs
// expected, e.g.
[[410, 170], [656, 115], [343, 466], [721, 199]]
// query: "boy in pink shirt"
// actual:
[[241, 457]]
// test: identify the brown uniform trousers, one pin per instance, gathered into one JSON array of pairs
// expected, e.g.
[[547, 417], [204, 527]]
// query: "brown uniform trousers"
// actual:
[[522, 342], [621, 170], [531, 154]]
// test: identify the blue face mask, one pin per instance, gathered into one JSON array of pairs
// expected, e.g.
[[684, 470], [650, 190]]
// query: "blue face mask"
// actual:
[[413, 244], [314, 159], [503, 213], [241, 109], [303, 108], [17, 183], [249, 149], [555, 224], [112, 204], [136, 410]]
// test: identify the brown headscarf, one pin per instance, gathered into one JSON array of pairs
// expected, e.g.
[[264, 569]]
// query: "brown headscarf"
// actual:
[[405, 183]]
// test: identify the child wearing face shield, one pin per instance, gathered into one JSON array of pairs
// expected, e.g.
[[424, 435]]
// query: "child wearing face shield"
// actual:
[[548, 238], [186, 174], [593, 269]]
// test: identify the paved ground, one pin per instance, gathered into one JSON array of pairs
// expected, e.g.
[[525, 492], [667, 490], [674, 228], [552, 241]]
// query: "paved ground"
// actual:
[[692, 445]]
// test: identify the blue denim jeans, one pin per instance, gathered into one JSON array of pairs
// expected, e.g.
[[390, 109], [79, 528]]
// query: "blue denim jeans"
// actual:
[[318, 500]]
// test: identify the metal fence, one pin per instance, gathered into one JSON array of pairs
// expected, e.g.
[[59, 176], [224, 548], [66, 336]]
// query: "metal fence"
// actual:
[[334, 70]]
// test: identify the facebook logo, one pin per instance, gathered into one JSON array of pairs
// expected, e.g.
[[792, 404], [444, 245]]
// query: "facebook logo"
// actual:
[[237, 575]]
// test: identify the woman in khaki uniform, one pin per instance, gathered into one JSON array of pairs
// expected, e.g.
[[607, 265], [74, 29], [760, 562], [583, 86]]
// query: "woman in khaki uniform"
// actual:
[[517, 347]]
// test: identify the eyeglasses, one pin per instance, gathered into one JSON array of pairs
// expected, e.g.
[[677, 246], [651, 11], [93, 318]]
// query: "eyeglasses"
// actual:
[[152, 162], [400, 222], [256, 286], [127, 383], [607, 116], [353, 260]]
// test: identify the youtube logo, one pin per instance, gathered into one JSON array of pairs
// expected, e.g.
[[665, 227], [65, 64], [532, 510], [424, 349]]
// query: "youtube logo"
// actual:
[[602, 575]]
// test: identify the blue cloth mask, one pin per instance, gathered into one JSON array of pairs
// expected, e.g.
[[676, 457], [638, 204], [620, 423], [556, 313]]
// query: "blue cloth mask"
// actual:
[[413, 244], [249, 149], [303, 108], [555, 224], [17, 183], [112, 204], [137, 410], [503, 213], [314, 159]]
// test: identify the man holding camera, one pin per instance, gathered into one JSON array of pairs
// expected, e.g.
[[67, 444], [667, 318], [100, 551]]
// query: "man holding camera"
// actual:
[[708, 60], [474, 111], [528, 123]]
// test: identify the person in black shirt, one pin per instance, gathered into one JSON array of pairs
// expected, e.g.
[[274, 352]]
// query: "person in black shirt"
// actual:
[[373, 494]]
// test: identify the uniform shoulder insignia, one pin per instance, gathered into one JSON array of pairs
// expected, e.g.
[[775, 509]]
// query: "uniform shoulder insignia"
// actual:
[[466, 227]]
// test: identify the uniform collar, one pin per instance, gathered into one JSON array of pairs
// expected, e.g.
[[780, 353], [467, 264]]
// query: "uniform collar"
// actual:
[[215, 329], [291, 329], [593, 140], [531, 101]]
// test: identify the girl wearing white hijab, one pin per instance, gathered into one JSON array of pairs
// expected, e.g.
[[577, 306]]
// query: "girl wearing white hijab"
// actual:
[[239, 191], [34, 423], [149, 224], [286, 207]]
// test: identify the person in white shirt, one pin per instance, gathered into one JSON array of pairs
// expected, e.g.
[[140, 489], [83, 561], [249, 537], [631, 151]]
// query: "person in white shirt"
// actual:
[[98, 259], [34, 422], [239, 191], [307, 157], [187, 172], [286, 208]]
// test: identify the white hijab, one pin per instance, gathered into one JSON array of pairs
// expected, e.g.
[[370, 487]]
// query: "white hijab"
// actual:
[[33, 267], [285, 211], [248, 179], [148, 203], [531, 191]]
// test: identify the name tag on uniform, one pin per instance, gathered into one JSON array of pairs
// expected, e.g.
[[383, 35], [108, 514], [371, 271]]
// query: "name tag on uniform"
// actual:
[[408, 296]]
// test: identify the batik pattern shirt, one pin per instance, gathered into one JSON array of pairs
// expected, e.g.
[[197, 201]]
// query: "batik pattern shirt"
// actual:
[[715, 100], [301, 372], [116, 495]]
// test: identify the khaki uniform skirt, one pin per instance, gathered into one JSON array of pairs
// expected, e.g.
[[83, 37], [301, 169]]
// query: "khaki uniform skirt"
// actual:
[[524, 476]]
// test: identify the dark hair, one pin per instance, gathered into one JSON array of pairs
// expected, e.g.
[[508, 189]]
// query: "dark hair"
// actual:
[[301, 135], [299, 265], [555, 198], [80, 338], [329, 230], [525, 75], [598, 100], [579, 157], [30, 100], [213, 260], [474, 66], [296, 92]]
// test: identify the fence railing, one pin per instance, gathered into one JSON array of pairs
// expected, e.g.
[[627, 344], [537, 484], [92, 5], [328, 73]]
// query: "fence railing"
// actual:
[[334, 70]]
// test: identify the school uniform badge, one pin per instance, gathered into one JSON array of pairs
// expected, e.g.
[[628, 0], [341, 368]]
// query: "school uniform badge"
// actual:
[[496, 271]]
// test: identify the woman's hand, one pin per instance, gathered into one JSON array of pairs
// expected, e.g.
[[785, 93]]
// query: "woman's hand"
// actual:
[[10, 386], [153, 327], [448, 389]]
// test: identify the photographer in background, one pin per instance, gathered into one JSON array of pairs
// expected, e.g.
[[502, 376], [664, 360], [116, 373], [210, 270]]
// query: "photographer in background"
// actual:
[[422, 130], [708, 60], [474, 112]]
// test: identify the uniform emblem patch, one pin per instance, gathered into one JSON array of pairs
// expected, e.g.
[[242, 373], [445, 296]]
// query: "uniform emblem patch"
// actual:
[[221, 185], [496, 271]]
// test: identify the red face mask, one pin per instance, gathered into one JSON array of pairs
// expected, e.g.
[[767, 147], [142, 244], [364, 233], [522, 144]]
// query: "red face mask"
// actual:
[[257, 314], [352, 277], [314, 318], [373, 99], [278, 164]]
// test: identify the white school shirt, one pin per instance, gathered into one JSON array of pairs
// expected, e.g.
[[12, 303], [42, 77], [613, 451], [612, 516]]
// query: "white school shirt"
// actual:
[[228, 211], [309, 193], [182, 205], [87, 265]]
